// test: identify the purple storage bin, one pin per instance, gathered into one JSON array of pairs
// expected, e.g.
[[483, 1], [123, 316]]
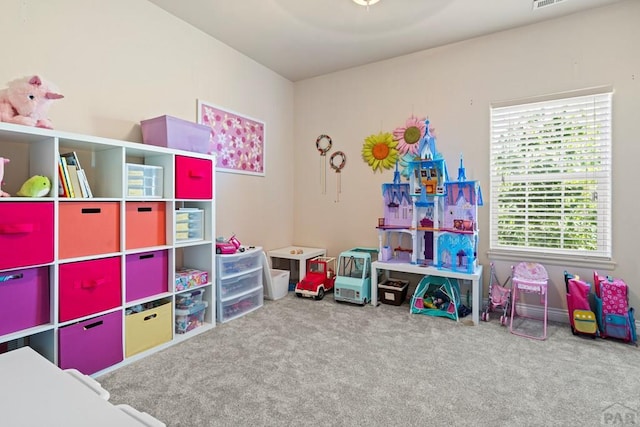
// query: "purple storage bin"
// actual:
[[93, 344], [171, 132], [24, 299], [147, 274]]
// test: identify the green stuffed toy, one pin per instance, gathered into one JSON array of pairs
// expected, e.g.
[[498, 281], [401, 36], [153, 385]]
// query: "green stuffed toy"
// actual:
[[36, 186]]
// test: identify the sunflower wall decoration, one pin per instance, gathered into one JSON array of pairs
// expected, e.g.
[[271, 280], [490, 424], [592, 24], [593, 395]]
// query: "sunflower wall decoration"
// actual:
[[409, 135], [379, 151]]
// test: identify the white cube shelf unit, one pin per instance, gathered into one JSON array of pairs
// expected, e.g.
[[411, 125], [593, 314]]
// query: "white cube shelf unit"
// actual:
[[89, 283]]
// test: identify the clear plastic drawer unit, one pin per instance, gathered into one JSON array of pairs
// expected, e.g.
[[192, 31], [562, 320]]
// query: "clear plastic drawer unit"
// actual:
[[189, 224], [144, 180]]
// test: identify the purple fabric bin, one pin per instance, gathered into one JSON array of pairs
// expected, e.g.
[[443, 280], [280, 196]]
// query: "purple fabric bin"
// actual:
[[93, 344], [171, 132], [147, 274], [24, 299]]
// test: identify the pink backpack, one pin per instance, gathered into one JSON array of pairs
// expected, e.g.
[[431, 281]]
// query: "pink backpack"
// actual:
[[581, 317], [615, 316]]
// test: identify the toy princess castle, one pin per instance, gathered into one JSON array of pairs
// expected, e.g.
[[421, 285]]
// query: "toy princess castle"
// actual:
[[430, 220]]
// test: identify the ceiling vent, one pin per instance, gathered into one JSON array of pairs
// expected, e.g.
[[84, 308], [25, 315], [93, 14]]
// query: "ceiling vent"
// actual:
[[539, 4]]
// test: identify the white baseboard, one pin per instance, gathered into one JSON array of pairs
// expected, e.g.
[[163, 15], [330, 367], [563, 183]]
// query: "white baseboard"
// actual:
[[553, 314], [537, 312]]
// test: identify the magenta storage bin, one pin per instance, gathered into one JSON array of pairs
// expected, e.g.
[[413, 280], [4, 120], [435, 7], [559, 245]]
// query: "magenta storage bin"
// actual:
[[91, 345], [26, 234], [147, 274], [194, 179], [171, 132], [24, 299], [89, 287]]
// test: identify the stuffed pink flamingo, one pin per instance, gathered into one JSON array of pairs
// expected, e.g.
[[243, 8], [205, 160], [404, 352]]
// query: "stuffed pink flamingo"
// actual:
[[2, 162]]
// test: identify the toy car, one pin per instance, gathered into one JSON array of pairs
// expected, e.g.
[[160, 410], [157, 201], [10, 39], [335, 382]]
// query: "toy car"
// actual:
[[319, 279], [231, 246], [353, 279]]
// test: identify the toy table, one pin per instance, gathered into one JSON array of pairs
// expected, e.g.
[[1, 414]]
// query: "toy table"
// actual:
[[300, 259], [35, 392], [475, 278]]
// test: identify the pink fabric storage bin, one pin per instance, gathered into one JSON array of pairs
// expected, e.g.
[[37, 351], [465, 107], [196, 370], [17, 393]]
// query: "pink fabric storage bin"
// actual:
[[89, 287], [147, 274], [194, 179], [91, 345], [24, 299], [171, 132], [26, 234]]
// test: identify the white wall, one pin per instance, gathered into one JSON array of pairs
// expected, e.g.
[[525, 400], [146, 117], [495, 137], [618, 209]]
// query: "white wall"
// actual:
[[454, 86], [122, 61]]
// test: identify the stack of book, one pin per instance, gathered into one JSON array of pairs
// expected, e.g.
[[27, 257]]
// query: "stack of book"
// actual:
[[73, 180]]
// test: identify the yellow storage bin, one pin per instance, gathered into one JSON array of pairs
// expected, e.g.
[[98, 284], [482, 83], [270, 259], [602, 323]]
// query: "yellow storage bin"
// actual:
[[147, 329]]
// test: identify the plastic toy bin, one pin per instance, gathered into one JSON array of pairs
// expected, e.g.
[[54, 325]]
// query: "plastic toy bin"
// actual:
[[171, 132], [26, 234], [237, 285], [24, 299], [100, 338], [146, 224], [236, 307], [190, 318], [393, 291], [279, 284], [190, 298], [144, 180], [186, 278], [147, 274], [238, 263], [147, 329]]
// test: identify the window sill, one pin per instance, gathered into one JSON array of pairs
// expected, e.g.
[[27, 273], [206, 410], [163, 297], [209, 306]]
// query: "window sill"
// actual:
[[560, 260]]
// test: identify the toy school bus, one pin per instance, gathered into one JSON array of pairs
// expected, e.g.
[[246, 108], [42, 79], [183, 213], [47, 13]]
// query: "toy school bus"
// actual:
[[353, 279]]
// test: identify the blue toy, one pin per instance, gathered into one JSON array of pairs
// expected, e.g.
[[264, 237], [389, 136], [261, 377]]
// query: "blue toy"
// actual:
[[437, 296]]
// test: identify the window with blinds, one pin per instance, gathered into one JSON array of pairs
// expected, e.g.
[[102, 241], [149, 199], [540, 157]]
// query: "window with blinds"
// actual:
[[551, 176]]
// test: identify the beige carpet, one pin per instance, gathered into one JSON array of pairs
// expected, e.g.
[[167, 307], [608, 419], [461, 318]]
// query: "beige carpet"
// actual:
[[299, 362]]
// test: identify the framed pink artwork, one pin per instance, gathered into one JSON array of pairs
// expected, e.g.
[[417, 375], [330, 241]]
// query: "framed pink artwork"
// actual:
[[236, 140]]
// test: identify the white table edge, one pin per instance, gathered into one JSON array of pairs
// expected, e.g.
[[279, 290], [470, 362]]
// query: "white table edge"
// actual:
[[475, 278]]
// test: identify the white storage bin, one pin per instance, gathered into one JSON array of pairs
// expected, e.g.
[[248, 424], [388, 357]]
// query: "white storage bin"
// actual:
[[277, 284], [237, 285], [189, 224], [144, 180], [239, 262], [239, 306]]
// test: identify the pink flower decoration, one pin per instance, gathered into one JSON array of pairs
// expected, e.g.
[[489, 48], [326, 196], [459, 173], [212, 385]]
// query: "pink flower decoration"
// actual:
[[409, 135]]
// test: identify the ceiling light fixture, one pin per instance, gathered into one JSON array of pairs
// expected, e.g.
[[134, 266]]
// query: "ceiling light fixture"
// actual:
[[366, 3]]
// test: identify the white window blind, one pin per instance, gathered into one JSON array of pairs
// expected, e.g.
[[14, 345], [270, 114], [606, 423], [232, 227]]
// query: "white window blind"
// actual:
[[551, 176]]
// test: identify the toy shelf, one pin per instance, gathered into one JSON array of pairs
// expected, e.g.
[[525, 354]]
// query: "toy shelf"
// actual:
[[99, 273]]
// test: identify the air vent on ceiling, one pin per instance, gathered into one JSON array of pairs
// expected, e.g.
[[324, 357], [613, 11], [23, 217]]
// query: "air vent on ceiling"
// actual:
[[539, 4]]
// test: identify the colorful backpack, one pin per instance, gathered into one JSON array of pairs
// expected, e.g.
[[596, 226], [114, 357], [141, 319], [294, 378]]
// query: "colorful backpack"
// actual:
[[582, 315], [615, 317]]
